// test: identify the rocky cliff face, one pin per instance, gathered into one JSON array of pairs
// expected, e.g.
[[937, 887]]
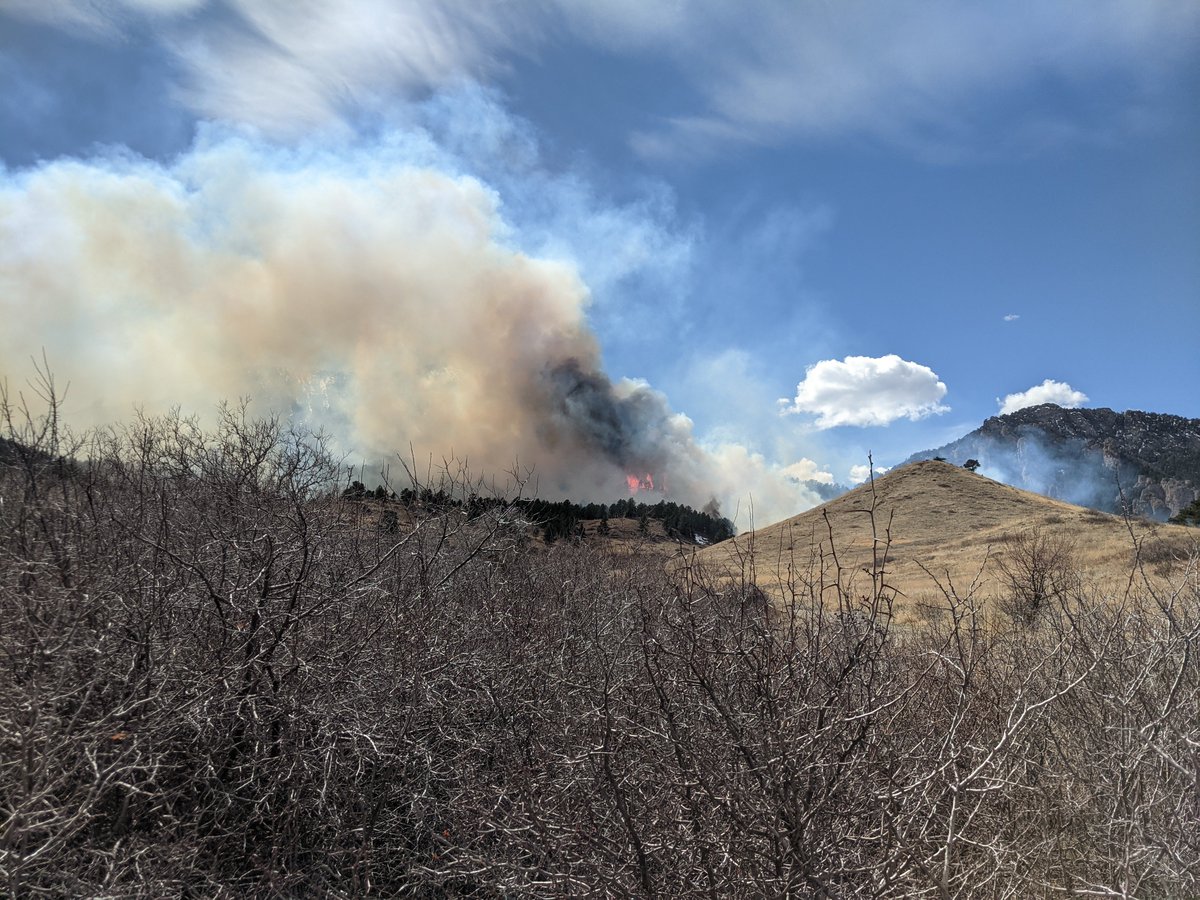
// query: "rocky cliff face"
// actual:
[[1146, 463]]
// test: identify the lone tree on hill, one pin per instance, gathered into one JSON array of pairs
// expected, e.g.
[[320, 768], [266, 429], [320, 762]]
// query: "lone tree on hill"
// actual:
[[971, 465]]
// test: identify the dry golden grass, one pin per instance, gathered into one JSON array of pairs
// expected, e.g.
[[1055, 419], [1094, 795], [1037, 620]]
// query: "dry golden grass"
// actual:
[[936, 520], [625, 535]]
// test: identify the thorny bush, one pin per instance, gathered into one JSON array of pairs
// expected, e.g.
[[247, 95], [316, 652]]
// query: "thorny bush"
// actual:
[[221, 679]]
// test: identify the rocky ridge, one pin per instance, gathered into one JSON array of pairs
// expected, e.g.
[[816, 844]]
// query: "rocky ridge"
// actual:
[[1146, 463]]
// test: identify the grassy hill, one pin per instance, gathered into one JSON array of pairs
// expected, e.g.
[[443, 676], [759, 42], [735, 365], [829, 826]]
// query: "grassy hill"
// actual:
[[936, 519]]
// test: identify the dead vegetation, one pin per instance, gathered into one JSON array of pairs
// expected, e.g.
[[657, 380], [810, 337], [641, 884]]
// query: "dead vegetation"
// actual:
[[220, 681]]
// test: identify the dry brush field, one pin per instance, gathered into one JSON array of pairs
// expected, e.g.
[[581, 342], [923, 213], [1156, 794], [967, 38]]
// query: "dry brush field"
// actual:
[[221, 680]]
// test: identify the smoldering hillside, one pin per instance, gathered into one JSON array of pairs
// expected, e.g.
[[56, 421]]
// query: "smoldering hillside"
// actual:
[[1141, 462], [378, 297]]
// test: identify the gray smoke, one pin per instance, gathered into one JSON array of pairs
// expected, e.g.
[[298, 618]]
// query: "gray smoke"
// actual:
[[633, 430], [1066, 470], [372, 295]]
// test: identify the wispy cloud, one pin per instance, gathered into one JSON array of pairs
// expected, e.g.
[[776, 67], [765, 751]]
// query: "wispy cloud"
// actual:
[[1049, 391], [1012, 317], [865, 390], [289, 68], [916, 75], [904, 73], [105, 17]]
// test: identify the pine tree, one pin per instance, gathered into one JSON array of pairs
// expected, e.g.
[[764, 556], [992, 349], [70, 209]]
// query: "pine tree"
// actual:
[[1189, 515]]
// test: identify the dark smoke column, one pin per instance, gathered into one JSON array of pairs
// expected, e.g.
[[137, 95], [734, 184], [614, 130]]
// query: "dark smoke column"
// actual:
[[634, 432]]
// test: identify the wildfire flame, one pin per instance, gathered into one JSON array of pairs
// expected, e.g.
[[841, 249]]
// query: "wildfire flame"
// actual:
[[644, 483]]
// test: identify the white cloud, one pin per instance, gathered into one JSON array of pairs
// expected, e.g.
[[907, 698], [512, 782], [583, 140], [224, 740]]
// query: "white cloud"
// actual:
[[902, 72], [98, 16], [866, 390], [905, 73], [1048, 391], [286, 70], [859, 474], [805, 469], [1012, 317]]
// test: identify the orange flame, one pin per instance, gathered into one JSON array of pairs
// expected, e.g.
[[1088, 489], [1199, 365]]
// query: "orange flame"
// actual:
[[645, 483]]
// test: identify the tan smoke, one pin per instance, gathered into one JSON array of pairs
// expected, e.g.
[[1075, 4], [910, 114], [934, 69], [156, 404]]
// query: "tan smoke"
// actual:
[[377, 299]]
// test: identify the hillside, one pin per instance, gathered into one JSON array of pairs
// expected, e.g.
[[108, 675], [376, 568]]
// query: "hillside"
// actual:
[[942, 518], [1148, 463]]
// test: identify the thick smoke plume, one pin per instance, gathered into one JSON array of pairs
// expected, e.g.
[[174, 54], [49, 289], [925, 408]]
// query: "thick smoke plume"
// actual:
[[374, 296]]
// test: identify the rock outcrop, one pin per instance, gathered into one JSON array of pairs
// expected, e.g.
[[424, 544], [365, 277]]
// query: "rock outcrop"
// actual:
[[1145, 463]]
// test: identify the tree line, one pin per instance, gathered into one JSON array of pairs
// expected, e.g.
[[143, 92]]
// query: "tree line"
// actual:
[[562, 519]]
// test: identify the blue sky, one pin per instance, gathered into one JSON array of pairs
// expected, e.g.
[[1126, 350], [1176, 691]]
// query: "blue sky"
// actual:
[[807, 230]]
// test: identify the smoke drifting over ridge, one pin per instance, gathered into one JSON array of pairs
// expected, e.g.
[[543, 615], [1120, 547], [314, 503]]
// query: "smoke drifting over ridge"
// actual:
[[1133, 461], [365, 293]]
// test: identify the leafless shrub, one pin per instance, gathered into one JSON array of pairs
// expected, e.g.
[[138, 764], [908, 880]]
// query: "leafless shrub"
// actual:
[[1038, 569], [1164, 557], [223, 680]]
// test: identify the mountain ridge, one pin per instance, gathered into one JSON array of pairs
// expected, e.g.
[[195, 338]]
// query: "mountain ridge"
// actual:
[[1147, 464]]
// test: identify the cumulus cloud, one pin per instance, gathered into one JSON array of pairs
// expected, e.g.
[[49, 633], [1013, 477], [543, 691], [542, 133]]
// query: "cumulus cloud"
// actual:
[[860, 473], [1012, 317], [1049, 391], [805, 469], [866, 390]]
